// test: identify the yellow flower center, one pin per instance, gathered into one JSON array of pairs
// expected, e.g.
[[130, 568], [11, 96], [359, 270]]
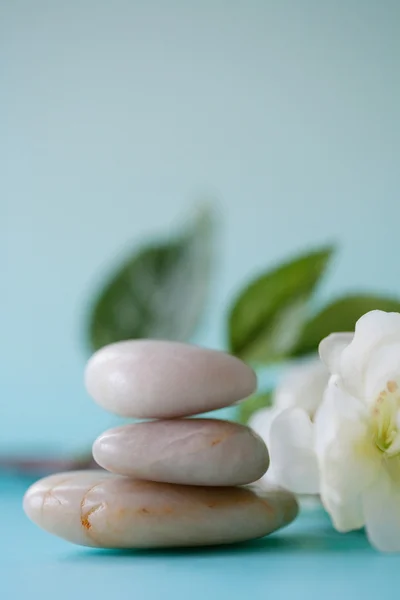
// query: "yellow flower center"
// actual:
[[385, 430]]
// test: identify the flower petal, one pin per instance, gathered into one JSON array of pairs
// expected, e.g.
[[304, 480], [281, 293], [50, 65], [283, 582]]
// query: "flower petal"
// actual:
[[382, 368], [261, 420], [346, 516], [347, 458], [346, 513], [293, 460], [337, 405], [302, 386], [331, 348], [382, 515], [372, 331]]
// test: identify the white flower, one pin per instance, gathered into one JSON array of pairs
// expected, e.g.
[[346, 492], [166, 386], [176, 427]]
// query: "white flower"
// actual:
[[354, 442], [302, 387]]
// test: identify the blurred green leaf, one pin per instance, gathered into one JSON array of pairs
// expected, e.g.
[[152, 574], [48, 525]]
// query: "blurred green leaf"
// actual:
[[252, 404], [160, 292], [341, 315], [267, 318]]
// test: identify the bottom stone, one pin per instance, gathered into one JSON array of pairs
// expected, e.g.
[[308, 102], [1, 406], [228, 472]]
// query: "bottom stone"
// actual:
[[102, 510]]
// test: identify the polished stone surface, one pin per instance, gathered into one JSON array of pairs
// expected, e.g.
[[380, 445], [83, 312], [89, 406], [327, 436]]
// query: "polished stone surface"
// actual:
[[187, 451], [98, 509], [156, 379]]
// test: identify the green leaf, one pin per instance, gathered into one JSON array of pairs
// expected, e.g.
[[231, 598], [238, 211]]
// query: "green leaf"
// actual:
[[252, 404], [341, 315], [159, 292], [267, 318]]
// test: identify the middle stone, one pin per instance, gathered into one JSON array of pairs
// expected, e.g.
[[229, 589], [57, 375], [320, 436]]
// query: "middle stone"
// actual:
[[184, 451]]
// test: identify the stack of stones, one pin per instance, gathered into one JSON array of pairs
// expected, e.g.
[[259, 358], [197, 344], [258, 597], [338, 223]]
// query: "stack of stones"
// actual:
[[172, 480]]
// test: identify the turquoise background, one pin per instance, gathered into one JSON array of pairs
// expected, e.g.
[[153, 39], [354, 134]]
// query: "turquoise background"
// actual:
[[116, 116]]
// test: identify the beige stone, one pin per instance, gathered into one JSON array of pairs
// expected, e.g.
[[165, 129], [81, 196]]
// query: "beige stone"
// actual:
[[185, 451], [154, 379], [97, 509]]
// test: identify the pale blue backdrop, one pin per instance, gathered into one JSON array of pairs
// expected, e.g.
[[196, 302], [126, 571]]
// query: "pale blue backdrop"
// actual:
[[116, 116]]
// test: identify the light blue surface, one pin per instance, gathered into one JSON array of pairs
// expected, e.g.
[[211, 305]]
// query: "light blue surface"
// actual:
[[307, 560], [114, 116]]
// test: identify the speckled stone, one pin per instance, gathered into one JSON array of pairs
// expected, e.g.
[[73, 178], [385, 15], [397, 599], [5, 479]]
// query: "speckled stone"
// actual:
[[102, 510], [185, 451], [155, 379]]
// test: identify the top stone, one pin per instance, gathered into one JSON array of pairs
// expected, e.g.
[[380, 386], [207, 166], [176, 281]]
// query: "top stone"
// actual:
[[159, 379]]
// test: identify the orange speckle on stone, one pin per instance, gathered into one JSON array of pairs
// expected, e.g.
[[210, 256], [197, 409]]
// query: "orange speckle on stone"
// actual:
[[143, 511], [392, 386], [220, 439], [85, 516], [216, 441], [85, 522], [167, 510]]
